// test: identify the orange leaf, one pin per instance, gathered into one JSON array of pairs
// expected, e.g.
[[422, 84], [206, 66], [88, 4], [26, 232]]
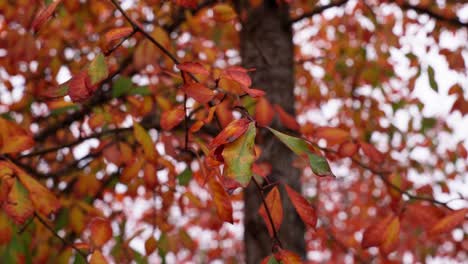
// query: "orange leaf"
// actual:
[[13, 138], [373, 235], [391, 236], [172, 118], [43, 200], [118, 33], [149, 176], [372, 152], [288, 257], [131, 170], [198, 92], [449, 222], [231, 132], [348, 149], [145, 141], [193, 67], [97, 258], [221, 200], [303, 208], [264, 112], [150, 245], [253, 92], [273, 201], [18, 205], [286, 119], [332, 135], [43, 15], [101, 231]]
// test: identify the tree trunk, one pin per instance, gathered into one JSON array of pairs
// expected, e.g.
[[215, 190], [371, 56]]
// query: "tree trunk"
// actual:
[[266, 44]]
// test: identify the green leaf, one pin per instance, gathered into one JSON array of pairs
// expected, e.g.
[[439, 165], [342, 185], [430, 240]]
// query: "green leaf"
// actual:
[[300, 147], [319, 165], [239, 156], [185, 177], [163, 246], [64, 109], [297, 145], [97, 69], [272, 260], [428, 123], [432, 81], [141, 90], [121, 87]]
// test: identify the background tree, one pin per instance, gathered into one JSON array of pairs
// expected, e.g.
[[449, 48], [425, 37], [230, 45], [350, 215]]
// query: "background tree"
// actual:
[[129, 131]]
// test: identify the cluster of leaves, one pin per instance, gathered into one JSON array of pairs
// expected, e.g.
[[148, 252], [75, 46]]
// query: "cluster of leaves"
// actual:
[[185, 134]]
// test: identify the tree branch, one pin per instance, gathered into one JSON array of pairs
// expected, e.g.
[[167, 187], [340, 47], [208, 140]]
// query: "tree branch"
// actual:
[[317, 10], [422, 10]]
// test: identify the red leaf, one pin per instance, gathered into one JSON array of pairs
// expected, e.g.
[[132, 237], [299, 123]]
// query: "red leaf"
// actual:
[[238, 74], [391, 236], [373, 235], [198, 92], [372, 152], [273, 201], [172, 118], [118, 33], [286, 119], [348, 149], [303, 208], [80, 88], [332, 135], [6, 230], [253, 92], [43, 15], [264, 112], [101, 231], [221, 200], [449, 222], [193, 67], [150, 245], [231, 132]]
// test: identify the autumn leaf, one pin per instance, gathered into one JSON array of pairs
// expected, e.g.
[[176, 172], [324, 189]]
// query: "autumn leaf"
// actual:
[[150, 245], [44, 14], [302, 148], [130, 171], [13, 138], [221, 200], [172, 118], [117, 33], [145, 141], [273, 202], [97, 258], [231, 132], [391, 236], [239, 156], [286, 119], [303, 208], [449, 222], [43, 200], [193, 67], [237, 74], [18, 205], [101, 231], [80, 87], [224, 13], [264, 112], [371, 152], [374, 234], [288, 257], [332, 135], [198, 92], [97, 69], [348, 149], [6, 230]]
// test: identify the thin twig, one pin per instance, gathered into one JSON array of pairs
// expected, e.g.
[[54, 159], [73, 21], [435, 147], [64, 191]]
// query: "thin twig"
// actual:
[[317, 10], [267, 210], [65, 242]]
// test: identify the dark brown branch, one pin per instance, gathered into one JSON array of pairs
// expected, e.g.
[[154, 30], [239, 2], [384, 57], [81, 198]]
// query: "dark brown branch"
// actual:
[[181, 15], [317, 10], [422, 10], [65, 242]]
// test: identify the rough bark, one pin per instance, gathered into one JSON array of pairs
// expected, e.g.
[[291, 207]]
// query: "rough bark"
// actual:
[[266, 44]]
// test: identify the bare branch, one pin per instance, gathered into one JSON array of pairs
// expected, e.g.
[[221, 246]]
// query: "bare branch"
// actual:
[[422, 10], [317, 10]]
